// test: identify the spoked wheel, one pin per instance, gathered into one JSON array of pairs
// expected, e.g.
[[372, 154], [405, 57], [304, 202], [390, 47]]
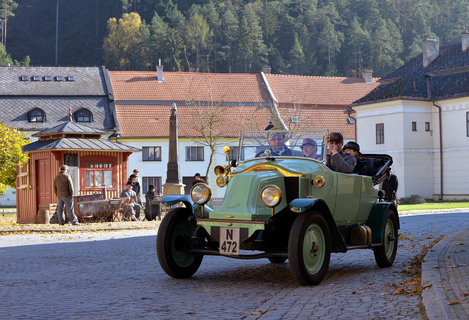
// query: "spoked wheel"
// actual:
[[309, 250], [174, 242], [385, 254]]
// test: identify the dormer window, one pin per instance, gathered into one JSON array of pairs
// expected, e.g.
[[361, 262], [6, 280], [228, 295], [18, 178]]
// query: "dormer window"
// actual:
[[24, 78], [59, 78], [70, 78], [47, 78], [35, 78], [84, 115], [36, 115]]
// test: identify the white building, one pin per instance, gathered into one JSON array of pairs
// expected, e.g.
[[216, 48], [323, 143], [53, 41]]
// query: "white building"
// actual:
[[419, 115]]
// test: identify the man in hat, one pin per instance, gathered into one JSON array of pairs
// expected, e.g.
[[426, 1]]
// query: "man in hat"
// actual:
[[63, 188], [337, 160], [310, 149]]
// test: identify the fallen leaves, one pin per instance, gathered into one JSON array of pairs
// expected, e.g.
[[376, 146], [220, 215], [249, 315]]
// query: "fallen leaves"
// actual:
[[261, 312], [414, 286]]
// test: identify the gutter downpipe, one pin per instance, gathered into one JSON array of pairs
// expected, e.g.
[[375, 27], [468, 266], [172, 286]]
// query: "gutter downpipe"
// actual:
[[274, 102], [440, 133], [441, 148]]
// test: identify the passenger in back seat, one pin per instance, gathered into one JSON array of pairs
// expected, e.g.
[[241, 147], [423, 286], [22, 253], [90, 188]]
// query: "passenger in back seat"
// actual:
[[353, 148]]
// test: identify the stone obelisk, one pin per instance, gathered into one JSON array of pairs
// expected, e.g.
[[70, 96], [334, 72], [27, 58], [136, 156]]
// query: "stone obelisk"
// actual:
[[173, 185]]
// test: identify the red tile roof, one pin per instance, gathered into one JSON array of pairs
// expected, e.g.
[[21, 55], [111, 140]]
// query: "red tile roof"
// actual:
[[318, 117], [138, 121], [314, 90], [188, 86]]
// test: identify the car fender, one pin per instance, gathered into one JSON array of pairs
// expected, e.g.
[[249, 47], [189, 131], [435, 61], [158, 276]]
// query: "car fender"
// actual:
[[301, 205], [171, 200], [377, 217]]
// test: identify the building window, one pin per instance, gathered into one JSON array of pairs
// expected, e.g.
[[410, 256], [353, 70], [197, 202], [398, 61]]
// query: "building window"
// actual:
[[84, 115], [414, 126], [98, 174], [47, 78], [151, 154], [24, 78], [35, 78], [467, 124], [70, 78], [151, 181], [380, 133], [36, 115], [194, 153], [427, 126], [59, 78]]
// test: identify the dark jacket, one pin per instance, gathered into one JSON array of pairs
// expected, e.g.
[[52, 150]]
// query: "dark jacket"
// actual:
[[390, 186], [341, 162], [63, 186]]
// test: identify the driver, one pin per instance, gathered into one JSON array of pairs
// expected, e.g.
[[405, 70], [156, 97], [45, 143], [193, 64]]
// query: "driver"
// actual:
[[277, 145]]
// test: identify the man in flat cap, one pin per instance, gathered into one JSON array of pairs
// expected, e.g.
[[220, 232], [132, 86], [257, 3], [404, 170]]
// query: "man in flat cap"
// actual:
[[63, 188], [337, 160]]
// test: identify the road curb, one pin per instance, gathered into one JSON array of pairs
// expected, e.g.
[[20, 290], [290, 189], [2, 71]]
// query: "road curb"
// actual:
[[444, 277]]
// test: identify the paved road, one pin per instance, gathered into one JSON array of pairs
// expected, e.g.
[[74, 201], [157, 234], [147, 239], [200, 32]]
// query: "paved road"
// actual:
[[116, 275]]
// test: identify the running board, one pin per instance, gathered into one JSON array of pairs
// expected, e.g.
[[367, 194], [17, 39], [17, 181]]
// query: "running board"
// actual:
[[365, 246], [208, 252]]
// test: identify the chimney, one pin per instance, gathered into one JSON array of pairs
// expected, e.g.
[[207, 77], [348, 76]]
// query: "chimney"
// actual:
[[465, 41], [266, 69], [159, 71], [431, 50], [367, 75]]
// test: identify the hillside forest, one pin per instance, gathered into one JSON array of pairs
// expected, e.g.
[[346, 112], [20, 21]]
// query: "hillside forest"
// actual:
[[311, 37]]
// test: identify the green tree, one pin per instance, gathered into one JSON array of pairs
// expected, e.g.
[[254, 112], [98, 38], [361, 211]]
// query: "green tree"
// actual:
[[159, 41], [124, 45], [6, 11], [11, 154], [296, 57], [197, 39], [230, 31], [252, 51], [5, 58], [175, 36]]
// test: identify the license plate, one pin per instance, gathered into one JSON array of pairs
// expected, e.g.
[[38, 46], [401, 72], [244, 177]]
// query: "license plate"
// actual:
[[229, 241]]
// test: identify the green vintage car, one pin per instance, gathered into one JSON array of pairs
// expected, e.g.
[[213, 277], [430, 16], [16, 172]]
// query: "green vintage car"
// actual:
[[281, 205]]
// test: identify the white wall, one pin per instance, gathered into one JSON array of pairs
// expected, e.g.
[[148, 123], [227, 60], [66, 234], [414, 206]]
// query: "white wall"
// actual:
[[412, 152], [186, 168]]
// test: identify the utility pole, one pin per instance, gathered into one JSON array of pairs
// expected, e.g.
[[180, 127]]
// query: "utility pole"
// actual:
[[57, 35]]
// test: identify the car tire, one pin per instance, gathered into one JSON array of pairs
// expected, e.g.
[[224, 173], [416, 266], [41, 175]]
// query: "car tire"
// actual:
[[277, 260], [309, 248], [385, 254], [173, 243]]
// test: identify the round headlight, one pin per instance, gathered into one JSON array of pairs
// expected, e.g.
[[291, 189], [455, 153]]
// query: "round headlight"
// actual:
[[271, 196], [221, 181], [200, 193]]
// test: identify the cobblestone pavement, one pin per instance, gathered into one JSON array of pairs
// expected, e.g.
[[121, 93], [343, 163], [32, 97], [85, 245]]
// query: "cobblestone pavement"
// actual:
[[446, 273], [75, 276]]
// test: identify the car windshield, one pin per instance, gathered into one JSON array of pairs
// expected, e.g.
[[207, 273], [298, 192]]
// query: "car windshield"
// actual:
[[278, 143]]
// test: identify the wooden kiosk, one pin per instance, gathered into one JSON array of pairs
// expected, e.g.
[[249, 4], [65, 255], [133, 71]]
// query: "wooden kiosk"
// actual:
[[94, 164]]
